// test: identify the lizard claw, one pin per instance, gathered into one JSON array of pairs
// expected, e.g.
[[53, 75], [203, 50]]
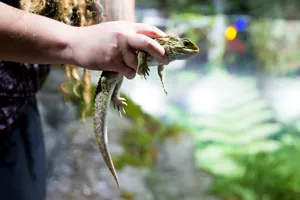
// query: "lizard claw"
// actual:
[[119, 104], [144, 72], [123, 101]]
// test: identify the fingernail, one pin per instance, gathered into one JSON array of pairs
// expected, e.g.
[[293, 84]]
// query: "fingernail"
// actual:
[[161, 33]]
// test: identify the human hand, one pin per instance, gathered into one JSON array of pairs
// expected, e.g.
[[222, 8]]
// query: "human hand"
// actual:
[[111, 46]]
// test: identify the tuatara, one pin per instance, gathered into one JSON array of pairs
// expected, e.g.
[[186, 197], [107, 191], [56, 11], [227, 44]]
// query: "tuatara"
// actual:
[[110, 82]]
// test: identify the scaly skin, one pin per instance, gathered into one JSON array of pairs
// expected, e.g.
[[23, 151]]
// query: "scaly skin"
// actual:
[[110, 82], [107, 90]]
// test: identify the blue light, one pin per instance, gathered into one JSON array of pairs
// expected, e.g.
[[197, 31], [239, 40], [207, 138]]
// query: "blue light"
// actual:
[[240, 24]]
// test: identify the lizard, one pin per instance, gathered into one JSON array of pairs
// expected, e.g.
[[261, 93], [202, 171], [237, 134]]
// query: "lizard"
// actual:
[[109, 85]]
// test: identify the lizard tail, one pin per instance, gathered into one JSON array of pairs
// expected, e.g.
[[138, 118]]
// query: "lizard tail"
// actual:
[[101, 105]]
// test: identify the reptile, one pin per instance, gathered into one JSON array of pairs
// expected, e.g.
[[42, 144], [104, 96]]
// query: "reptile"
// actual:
[[109, 85]]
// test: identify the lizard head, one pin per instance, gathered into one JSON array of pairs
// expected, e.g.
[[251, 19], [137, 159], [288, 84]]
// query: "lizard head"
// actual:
[[178, 48]]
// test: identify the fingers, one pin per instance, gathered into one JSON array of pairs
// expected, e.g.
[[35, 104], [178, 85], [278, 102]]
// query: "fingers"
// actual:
[[130, 58], [130, 74], [126, 71], [144, 43], [148, 30], [121, 67], [130, 62]]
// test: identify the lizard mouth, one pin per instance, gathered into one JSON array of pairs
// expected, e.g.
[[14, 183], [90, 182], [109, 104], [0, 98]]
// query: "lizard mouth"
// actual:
[[189, 51]]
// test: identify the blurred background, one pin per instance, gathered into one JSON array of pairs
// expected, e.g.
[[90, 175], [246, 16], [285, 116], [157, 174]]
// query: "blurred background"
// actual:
[[228, 129]]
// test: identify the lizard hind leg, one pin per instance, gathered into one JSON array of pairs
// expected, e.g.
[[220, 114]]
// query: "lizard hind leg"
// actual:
[[161, 74], [118, 102]]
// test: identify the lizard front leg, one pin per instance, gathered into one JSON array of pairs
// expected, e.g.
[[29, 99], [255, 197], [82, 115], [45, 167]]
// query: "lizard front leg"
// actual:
[[161, 74], [117, 101], [143, 68]]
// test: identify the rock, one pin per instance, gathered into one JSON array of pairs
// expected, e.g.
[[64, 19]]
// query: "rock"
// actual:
[[133, 181], [77, 168]]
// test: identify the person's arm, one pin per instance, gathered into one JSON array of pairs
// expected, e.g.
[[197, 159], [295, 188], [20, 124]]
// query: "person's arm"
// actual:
[[27, 37], [120, 10]]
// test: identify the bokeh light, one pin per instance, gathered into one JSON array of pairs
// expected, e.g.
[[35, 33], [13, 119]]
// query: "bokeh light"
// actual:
[[240, 24], [231, 33]]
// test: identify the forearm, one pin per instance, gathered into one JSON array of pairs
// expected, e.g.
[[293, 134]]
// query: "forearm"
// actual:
[[26, 37]]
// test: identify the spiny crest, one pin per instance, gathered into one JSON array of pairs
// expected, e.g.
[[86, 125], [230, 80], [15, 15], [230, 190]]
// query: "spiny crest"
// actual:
[[167, 39]]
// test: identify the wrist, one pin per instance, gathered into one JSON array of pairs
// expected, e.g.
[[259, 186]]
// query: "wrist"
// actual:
[[64, 50]]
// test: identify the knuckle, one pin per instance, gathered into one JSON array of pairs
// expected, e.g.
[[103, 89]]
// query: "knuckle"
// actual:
[[119, 35], [147, 43], [114, 47], [111, 52]]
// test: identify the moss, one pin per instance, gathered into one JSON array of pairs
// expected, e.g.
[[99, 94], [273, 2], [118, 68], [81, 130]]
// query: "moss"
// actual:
[[139, 150], [140, 143], [127, 196]]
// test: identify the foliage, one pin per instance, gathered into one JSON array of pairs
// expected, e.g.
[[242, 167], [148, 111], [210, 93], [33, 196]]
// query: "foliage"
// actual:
[[244, 122], [266, 176], [196, 34], [276, 45], [255, 8], [252, 155], [221, 136], [273, 8], [205, 6], [141, 141], [127, 196]]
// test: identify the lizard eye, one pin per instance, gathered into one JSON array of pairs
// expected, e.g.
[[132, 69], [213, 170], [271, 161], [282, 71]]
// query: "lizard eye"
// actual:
[[186, 43]]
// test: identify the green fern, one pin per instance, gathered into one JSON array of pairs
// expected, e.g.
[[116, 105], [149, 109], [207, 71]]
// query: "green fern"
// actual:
[[244, 123], [266, 176], [252, 155]]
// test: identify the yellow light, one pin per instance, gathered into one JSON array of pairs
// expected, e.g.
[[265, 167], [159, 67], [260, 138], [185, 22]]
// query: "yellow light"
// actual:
[[230, 33]]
